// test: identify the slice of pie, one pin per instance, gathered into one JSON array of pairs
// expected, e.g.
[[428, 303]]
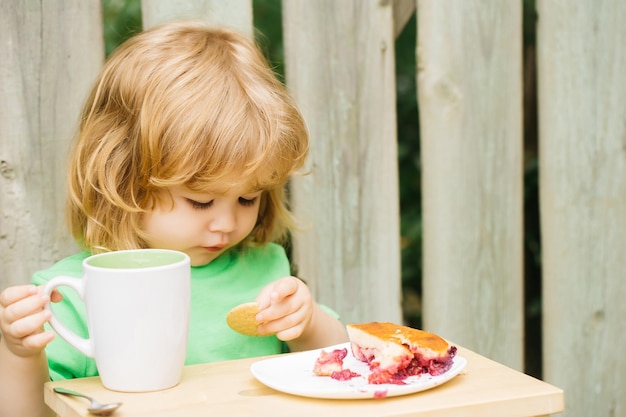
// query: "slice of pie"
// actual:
[[394, 352]]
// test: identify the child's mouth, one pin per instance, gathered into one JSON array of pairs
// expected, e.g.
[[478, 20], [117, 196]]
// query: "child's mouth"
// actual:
[[214, 248]]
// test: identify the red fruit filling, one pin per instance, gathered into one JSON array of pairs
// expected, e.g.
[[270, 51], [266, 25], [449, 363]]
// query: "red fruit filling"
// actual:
[[344, 375], [330, 362], [416, 366]]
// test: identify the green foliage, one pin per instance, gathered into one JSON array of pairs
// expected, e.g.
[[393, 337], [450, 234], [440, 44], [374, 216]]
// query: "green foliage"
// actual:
[[409, 171], [269, 33], [122, 19]]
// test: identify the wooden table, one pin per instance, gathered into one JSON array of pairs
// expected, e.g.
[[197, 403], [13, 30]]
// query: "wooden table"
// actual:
[[485, 388]]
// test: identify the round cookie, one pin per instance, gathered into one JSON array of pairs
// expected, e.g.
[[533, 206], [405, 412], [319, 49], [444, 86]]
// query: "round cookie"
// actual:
[[242, 319]]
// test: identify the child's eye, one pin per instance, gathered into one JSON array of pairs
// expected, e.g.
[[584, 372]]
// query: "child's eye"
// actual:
[[247, 201], [199, 205]]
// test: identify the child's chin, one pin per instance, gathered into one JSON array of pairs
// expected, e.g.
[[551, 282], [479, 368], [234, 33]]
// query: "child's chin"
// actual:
[[201, 259]]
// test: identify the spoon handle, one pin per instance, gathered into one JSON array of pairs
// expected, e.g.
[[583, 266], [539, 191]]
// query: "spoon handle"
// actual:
[[70, 392]]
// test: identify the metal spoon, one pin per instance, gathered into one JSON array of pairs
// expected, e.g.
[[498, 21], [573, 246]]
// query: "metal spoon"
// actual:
[[95, 407]]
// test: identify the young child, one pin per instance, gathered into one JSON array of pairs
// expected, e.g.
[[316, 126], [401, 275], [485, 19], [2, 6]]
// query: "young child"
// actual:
[[186, 142]]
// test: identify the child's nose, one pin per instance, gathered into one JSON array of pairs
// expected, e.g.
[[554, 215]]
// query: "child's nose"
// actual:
[[224, 222]]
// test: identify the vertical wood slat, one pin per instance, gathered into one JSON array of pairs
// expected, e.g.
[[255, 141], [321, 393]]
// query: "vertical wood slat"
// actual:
[[46, 69], [234, 13], [470, 100], [340, 68], [582, 103], [402, 12]]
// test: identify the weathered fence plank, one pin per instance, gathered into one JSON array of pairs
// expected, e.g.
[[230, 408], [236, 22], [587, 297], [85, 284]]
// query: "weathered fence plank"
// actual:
[[234, 13], [582, 102], [50, 54], [340, 67], [403, 10], [470, 100]]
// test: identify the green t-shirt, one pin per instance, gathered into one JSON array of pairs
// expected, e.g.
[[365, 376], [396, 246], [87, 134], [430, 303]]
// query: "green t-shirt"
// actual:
[[235, 277]]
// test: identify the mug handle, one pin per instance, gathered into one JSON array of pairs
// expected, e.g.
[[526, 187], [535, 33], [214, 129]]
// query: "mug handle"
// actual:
[[85, 346]]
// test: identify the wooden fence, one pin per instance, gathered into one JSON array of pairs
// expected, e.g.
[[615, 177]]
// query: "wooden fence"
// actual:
[[339, 60]]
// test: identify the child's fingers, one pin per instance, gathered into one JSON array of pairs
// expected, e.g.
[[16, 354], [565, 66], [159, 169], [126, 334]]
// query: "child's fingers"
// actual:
[[12, 295], [284, 288], [24, 307], [263, 300], [56, 296], [276, 310], [276, 292], [278, 320], [289, 334], [37, 341], [287, 296], [22, 316], [285, 328], [28, 325]]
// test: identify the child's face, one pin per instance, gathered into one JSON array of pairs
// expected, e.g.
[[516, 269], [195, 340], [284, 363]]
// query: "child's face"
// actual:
[[203, 225]]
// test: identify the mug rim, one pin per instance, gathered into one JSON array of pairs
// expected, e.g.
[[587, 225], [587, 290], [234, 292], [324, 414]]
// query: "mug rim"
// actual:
[[184, 258]]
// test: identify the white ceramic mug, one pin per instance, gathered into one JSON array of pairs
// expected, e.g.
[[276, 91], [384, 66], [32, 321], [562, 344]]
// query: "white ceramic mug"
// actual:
[[137, 304]]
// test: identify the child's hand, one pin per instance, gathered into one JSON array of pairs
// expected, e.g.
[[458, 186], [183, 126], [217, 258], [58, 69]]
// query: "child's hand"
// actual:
[[22, 316], [286, 307]]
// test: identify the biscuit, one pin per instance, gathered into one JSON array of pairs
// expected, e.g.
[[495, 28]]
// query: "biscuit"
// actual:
[[242, 319]]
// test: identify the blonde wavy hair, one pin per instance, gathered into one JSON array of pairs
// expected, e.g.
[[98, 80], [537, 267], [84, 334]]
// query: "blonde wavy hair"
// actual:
[[182, 104]]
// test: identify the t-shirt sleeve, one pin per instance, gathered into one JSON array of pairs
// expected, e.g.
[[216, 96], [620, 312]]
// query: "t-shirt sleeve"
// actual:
[[280, 253], [330, 311]]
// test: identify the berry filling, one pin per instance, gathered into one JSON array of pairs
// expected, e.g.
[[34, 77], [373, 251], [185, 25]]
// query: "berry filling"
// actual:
[[415, 366]]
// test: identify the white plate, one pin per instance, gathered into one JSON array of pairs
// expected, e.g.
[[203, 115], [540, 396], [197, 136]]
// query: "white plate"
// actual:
[[293, 374]]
